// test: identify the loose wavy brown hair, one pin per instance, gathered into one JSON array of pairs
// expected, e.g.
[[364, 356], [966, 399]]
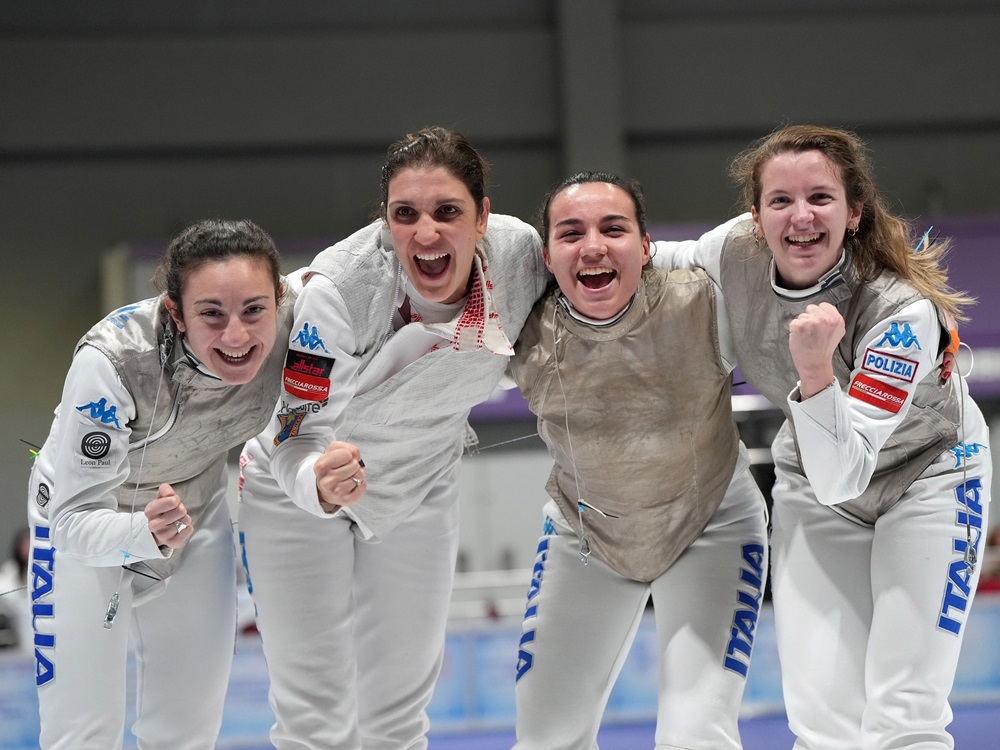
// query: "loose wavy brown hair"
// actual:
[[883, 242]]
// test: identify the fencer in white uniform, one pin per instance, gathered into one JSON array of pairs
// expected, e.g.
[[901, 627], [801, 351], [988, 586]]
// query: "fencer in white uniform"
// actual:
[[132, 542], [629, 373], [400, 329], [882, 467]]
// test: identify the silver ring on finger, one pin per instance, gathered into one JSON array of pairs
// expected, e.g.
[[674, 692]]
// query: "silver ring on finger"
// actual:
[[357, 482], [180, 526]]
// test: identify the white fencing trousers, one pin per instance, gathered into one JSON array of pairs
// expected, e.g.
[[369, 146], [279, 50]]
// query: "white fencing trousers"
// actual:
[[582, 619], [869, 620], [183, 639], [353, 632]]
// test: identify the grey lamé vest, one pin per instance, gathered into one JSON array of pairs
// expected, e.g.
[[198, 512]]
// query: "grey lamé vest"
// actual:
[[411, 428], [931, 424], [197, 419], [648, 401]]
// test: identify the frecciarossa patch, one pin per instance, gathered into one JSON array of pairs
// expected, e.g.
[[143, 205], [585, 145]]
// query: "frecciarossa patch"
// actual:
[[877, 393], [889, 365], [307, 376]]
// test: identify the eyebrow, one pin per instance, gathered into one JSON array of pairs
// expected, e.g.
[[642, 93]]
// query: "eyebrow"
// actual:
[[437, 202], [608, 217], [213, 301], [828, 188]]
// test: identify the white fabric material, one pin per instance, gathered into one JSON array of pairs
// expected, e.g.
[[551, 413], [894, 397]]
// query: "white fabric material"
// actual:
[[353, 633], [582, 620], [840, 436], [183, 639], [703, 253], [865, 616], [97, 535]]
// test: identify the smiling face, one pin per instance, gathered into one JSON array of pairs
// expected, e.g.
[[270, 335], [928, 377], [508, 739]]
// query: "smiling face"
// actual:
[[435, 224], [804, 214], [595, 248], [229, 316]]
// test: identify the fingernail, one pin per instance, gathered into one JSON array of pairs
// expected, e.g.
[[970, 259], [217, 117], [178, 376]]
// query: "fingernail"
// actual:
[[361, 463]]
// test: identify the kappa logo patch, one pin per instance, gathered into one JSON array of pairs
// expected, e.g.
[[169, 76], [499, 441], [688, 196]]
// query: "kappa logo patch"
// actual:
[[889, 365], [309, 337], [101, 412], [877, 393], [899, 336]]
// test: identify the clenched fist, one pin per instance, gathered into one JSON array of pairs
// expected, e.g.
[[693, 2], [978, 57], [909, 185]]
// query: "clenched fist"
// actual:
[[812, 339], [340, 476], [169, 521]]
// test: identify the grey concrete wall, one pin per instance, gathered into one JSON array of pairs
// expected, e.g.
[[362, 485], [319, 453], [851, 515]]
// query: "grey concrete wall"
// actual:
[[122, 123]]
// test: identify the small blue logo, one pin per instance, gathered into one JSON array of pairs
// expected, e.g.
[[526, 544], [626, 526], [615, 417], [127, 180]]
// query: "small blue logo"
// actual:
[[966, 450], [100, 411], [897, 336], [122, 315], [310, 338]]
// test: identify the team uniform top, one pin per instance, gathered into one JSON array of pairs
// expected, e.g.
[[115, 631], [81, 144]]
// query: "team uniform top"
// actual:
[[356, 370], [109, 447], [889, 360], [673, 457]]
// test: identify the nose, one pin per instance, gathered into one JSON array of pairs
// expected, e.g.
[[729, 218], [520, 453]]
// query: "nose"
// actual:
[[235, 332], [802, 212], [426, 229], [593, 244]]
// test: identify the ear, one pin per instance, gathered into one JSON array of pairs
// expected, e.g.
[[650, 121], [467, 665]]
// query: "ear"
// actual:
[[175, 313], [545, 257], [483, 219], [645, 249], [855, 217], [758, 232]]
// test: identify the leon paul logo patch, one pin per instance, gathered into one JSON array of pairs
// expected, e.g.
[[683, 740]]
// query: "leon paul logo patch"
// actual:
[[95, 449]]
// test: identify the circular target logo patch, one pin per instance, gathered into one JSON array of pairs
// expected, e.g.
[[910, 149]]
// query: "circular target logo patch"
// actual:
[[42, 498], [95, 444]]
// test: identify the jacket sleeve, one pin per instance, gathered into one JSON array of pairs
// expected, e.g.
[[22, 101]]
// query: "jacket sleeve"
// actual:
[[704, 252], [841, 430], [319, 380], [89, 511]]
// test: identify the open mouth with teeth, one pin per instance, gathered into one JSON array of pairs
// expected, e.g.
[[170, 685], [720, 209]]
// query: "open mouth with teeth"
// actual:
[[432, 264], [596, 278], [805, 240], [234, 358]]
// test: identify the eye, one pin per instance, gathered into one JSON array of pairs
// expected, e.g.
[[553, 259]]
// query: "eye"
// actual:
[[615, 231], [404, 213], [779, 201], [448, 211], [256, 309], [210, 313], [821, 198]]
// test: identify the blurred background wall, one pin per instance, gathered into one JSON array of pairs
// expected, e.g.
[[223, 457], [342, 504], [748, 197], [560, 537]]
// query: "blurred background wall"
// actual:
[[122, 122]]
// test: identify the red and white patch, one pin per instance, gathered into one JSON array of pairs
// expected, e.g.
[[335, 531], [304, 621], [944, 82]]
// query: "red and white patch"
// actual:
[[306, 387], [877, 393]]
